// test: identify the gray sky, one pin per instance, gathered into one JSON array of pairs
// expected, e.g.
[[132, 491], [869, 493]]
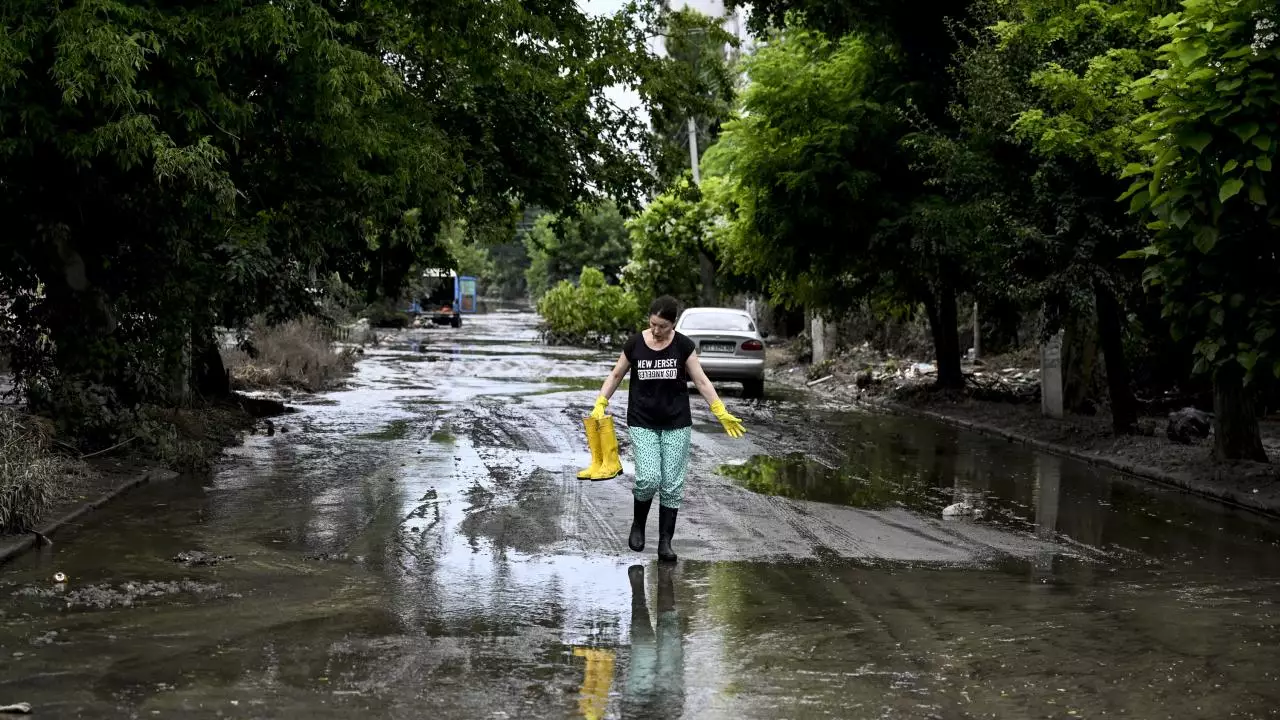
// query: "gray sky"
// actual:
[[625, 97]]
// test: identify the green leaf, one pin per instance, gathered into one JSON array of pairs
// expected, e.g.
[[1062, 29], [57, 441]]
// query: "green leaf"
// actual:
[[1263, 335], [1257, 194], [1231, 165], [1135, 187], [1263, 163], [1247, 360], [1206, 238], [1230, 84], [1230, 189], [1133, 169], [1180, 218], [1262, 141], [1197, 140], [1140, 253], [1201, 367], [1139, 201], [1245, 130], [1190, 51], [1217, 315]]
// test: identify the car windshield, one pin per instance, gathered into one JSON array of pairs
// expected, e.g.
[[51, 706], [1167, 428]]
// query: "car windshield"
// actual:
[[717, 321]]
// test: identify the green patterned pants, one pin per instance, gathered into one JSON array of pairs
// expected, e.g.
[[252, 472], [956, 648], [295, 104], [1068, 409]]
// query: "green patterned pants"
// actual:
[[662, 457]]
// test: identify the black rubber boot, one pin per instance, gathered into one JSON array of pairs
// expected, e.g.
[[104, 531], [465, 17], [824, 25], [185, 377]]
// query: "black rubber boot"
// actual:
[[666, 528], [636, 540]]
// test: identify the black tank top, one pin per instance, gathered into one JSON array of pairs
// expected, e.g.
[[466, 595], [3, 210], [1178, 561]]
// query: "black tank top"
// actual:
[[659, 394]]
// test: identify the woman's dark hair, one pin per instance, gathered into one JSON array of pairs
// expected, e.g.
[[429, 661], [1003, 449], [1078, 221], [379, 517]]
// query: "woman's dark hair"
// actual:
[[665, 307]]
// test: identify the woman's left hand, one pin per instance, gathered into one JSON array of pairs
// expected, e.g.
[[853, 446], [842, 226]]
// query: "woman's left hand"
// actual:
[[732, 425]]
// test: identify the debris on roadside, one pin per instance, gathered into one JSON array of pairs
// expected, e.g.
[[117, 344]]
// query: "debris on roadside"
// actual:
[[327, 557], [16, 709], [1188, 425], [45, 638], [197, 558], [105, 596]]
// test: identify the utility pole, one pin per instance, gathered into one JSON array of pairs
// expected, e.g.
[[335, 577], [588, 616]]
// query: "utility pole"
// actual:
[[706, 266], [693, 150]]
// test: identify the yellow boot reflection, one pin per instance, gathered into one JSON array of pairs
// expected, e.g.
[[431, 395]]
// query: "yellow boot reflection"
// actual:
[[594, 696]]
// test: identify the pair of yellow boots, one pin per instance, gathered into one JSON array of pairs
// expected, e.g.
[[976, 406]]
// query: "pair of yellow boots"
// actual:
[[603, 441]]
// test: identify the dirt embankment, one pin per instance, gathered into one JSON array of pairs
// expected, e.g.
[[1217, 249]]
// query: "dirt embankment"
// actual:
[[862, 379]]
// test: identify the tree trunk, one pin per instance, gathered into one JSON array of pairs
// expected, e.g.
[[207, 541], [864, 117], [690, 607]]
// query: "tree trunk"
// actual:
[[944, 321], [1235, 426], [1079, 364], [1124, 406], [707, 273], [209, 374], [180, 373]]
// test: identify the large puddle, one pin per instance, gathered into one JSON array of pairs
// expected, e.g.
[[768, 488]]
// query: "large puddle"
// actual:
[[418, 545]]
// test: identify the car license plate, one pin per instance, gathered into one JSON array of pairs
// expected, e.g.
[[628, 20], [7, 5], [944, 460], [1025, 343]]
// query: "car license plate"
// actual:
[[713, 347]]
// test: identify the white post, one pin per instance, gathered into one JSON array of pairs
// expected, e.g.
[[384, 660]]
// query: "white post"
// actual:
[[1051, 402], [977, 339]]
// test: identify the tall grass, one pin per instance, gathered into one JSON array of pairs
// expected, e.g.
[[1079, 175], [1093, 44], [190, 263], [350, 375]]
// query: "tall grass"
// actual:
[[32, 478], [297, 355]]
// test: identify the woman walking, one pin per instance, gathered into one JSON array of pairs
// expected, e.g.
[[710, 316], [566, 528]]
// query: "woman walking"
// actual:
[[661, 362]]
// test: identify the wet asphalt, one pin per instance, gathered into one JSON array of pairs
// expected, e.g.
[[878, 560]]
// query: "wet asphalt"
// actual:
[[417, 546]]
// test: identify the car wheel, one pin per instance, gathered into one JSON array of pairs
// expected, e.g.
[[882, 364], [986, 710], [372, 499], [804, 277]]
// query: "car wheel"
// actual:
[[753, 388], [457, 321]]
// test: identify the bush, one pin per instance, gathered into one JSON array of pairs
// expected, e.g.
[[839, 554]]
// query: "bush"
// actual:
[[589, 313], [297, 355], [32, 479], [385, 315]]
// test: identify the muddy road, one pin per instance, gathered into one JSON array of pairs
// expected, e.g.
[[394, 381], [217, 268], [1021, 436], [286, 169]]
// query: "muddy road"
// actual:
[[417, 546]]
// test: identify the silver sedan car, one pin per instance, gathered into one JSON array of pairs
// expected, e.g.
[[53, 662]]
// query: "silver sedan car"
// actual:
[[729, 346]]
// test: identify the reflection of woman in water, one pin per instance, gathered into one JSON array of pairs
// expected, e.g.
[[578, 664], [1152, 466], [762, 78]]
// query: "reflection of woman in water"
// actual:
[[661, 363], [655, 677]]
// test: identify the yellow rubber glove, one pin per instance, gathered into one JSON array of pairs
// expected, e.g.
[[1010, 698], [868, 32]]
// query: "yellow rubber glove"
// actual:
[[601, 403], [732, 425]]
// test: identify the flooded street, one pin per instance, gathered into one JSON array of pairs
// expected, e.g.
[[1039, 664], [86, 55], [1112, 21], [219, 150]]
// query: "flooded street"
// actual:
[[419, 546]]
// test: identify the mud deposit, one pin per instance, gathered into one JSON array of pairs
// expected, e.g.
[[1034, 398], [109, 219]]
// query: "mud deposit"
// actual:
[[418, 546]]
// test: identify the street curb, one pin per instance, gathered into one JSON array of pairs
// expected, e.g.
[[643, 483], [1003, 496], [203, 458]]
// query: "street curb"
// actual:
[[1180, 482], [13, 549]]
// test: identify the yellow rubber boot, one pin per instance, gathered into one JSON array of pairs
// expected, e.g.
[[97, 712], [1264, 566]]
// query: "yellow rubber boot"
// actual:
[[611, 464], [593, 441]]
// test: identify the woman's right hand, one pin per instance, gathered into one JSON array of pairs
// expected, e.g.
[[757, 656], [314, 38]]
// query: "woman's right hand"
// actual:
[[598, 412]]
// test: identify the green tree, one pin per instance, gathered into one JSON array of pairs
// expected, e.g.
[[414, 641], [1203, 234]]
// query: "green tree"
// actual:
[[468, 256], [818, 181], [667, 239], [165, 169], [1209, 148], [702, 85], [559, 246], [1048, 184], [589, 312]]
